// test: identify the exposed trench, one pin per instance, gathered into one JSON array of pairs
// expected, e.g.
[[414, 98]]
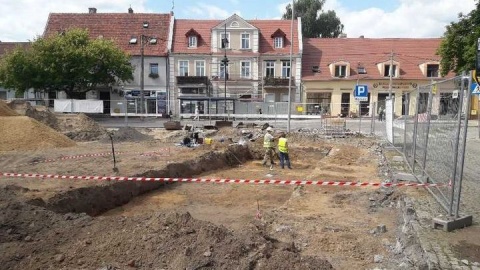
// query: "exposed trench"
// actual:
[[95, 200]]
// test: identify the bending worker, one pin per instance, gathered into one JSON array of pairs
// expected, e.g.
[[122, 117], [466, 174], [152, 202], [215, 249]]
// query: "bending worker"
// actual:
[[269, 145], [283, 151]]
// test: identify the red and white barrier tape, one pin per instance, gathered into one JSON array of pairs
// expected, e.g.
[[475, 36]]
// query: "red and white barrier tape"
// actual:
[[220, 180]]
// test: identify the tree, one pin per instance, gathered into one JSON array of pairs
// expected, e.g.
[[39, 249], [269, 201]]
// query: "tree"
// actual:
[[315, 22], [68, 61], [459, 45]]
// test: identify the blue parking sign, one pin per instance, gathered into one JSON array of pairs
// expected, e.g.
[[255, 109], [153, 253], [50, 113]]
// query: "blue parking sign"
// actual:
[[361, 93]]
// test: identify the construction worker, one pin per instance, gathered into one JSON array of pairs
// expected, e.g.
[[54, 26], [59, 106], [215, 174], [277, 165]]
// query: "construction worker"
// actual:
[[269, 145], [283, 151]]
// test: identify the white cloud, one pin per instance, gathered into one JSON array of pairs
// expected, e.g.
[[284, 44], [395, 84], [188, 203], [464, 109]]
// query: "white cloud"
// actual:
[[207, 11], [23, 20], [412, 18]]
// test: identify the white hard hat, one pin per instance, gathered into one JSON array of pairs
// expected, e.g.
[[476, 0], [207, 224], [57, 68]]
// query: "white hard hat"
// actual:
[[269, 129]]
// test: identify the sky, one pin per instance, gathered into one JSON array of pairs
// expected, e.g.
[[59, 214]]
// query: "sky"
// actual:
[[24, 20]]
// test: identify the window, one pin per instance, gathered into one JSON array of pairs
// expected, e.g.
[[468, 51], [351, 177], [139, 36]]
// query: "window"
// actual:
[[183, 68], [192, 41], [340, 71], [154, 68], [245, 41], [285, 69], [432, 70], [269, 68], [222, 41], [278, 42], [222, 71], [386, 72], [199, 68], [245, 69]]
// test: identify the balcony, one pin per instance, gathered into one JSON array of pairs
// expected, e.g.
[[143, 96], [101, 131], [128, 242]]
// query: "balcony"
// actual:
[[277, 81], [194, 80]]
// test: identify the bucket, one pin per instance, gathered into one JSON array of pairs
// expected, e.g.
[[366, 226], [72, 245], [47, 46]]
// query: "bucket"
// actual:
[[208, 140]]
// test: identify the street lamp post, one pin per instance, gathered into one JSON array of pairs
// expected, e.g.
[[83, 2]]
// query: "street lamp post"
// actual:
[[144, 40], [225, 65]]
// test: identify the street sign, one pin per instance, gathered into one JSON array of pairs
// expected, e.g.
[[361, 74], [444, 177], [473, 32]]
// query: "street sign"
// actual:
[[475, 88], [361, 93]]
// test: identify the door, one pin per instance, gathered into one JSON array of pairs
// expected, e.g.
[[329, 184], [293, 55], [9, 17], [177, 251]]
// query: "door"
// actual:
[[345, 106], [105, 96]]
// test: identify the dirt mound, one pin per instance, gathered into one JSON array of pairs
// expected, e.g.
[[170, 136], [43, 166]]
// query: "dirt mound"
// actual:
[[158, 241], [80, 127], [25, 133], [5, 110], [39, 113], [127, 134]]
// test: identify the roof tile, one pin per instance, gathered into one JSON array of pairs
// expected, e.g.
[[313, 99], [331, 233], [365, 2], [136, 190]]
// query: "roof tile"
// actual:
[[119, 27]]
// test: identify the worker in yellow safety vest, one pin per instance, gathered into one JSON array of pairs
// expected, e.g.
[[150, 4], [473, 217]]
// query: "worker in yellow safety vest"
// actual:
[[269, 145], [283, 151]]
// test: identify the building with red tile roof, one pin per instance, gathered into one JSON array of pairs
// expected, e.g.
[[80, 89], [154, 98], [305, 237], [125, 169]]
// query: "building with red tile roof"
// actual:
[[258, 61], [332, 67], [129, 31]]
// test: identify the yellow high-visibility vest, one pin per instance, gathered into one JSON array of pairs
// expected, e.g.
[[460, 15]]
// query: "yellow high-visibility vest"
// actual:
[[268, 141], [282, 145]]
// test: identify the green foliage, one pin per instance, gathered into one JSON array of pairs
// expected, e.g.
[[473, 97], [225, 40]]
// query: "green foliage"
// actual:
[[459, 45], [315, 22], [69, 61]]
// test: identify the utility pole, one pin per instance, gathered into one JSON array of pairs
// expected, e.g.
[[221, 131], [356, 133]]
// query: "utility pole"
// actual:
[[142, 77], [390, 71], [291, 70], [225, 65]]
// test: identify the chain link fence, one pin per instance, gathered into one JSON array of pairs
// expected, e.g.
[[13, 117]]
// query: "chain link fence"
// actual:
[[432, 136]]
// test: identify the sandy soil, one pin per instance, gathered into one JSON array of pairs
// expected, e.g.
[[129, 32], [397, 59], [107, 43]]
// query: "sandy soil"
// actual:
[[333, 223]]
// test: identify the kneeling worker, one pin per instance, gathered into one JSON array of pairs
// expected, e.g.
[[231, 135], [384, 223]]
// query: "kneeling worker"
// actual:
[[283, 151]]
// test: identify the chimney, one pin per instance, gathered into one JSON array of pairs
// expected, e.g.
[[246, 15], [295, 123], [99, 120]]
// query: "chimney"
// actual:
[[130, 10], [92, 10], [362, 36]]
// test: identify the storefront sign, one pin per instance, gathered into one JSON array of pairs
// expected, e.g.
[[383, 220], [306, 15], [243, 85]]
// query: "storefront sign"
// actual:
[[395, 85]]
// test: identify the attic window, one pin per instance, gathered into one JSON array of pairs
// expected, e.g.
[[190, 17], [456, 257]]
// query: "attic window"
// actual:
[[315, 69], [386, 70], [192, 41], [278, 42], [340, 71], [432, 70], [133, 40], [235, 24], [361, 70]]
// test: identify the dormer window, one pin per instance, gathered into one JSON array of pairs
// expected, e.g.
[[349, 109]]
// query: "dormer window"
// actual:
[[386, 70], [315, 69], [341, 71], [192, 38], [278, 38], [432, 70], [361, 70], [192, 41], [278, 42]]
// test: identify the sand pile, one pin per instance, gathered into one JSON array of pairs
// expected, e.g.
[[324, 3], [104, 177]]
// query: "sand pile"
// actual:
[[127, 134], [25, 133], [5, 110], [39, 113], [80, 127]]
